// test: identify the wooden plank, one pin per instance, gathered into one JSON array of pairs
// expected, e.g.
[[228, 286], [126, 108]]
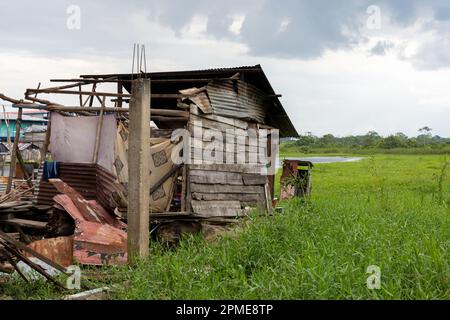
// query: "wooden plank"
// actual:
[[235, 157], [208, 188], [207, 140], [211, 177], [46, 143], [217, 208], [239, 168], [98, 132], [197, 115], [268, 197], [25, 223], [12, 169], [247, 198], [211, 124], [100, 94], [169, 119], [254, 179]]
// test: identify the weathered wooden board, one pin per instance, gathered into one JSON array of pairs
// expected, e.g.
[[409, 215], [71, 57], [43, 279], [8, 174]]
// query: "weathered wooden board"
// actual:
[[217, 208], [254, 179], [239, 168], [246, 198], [223, 131], [235, 157], [202, 188], [196, 115], [216, 177], [227, 178], [221, 137], [26, 223]]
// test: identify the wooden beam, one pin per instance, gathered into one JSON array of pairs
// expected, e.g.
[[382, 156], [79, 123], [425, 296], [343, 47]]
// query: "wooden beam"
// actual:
[[12, 166], [119, 91], [76, 109], [44, 149], [81, 97], [98, 132], [91, 100], [170, 119], [100, 94], [139, 171], [164, 178]]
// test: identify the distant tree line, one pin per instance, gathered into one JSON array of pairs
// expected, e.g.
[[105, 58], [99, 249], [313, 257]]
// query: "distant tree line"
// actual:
[[372, 139]]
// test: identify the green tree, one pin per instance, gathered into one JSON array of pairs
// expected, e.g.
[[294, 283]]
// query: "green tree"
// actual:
[[371, 139], [425, 134]]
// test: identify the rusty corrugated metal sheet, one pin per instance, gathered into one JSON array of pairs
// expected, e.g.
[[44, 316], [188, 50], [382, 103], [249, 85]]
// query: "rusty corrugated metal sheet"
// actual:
[[92, 181], [237, 99], [82, 177]]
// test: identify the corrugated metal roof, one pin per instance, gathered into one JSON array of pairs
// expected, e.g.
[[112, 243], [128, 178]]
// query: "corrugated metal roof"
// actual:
[[276, 116]]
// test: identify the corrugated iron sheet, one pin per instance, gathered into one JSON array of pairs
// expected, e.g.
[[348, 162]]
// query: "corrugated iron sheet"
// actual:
[[254, 75], [82, 177], [237, 99], [92, 181]]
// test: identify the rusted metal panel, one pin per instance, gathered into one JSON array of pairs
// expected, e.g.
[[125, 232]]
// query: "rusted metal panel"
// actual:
[[90, 211], [107, 187], [59, 250], [96, 243], [82, 177], [92, 181]]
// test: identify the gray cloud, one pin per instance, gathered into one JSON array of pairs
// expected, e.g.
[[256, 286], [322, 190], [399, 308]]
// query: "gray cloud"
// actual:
[[311, 27]]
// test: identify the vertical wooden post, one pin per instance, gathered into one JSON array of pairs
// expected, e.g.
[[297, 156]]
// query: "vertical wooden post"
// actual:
[[46, 143], [12, 166], [119, 91], [139, 171], [99, 131]]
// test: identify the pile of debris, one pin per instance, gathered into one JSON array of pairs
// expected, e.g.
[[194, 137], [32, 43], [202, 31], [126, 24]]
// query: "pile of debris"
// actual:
[[73, 229]]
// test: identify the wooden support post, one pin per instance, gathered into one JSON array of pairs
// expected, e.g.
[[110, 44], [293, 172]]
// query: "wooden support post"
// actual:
[[12, 166], [26, 176], [91, 101], [119, 91], [44, 149], [183, 189], [139, 171], [81, 96], [99, 132]]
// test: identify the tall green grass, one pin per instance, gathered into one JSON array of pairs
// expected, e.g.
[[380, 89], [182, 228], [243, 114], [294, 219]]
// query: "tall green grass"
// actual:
[[389, 211]]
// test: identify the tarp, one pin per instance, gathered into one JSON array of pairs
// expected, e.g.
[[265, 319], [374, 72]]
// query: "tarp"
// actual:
[[73, 141]]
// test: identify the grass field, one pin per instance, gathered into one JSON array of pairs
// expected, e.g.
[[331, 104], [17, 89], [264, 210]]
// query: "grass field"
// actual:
[[387, 210]]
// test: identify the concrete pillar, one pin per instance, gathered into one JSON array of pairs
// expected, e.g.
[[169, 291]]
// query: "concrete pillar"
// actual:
[[139, 170]]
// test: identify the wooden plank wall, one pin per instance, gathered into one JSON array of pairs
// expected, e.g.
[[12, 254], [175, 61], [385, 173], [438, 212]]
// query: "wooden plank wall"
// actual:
[[224, 189]]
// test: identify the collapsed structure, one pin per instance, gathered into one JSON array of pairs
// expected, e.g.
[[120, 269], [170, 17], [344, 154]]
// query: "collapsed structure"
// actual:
[[213, 145]]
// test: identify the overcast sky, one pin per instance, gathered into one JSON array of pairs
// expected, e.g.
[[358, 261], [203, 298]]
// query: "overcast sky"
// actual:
[[340, 69]]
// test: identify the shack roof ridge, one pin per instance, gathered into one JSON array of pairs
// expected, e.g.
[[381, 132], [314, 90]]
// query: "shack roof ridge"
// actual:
[[182, 72]]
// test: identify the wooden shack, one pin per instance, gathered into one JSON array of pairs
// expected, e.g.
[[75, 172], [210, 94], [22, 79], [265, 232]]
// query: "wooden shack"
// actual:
[[223, 124]]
